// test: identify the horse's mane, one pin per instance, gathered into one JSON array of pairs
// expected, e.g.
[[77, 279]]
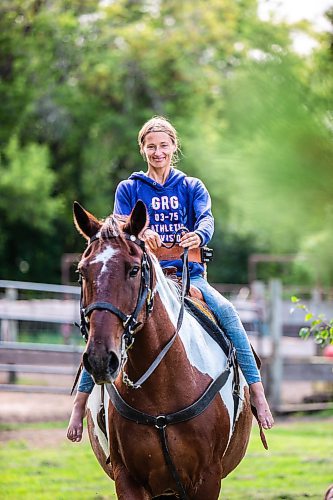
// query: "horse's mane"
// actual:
[[113, 226], [174, 285]]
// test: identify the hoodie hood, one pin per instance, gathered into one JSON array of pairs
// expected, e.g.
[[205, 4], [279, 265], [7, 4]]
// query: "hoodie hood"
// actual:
[[174, 178]]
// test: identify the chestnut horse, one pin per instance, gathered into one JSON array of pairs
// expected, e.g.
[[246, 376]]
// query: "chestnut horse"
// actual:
[[185, 424]]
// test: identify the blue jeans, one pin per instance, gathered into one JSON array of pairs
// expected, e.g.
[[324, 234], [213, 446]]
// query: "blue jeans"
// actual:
[[229, 321], [86, 383]]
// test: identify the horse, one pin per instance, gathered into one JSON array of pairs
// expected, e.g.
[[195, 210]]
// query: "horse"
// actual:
[[185, 424]]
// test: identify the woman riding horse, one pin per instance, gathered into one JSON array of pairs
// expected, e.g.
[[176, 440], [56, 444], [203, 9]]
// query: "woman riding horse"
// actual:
[[173, 201]]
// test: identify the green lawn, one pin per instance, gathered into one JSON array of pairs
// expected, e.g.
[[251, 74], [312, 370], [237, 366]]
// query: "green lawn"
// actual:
[[299, 464]]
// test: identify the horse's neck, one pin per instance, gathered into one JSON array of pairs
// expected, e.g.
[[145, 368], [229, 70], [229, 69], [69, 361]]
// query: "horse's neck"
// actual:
[[167, 292], [159, 327], [200, 352], [173, 384], [193, 360]]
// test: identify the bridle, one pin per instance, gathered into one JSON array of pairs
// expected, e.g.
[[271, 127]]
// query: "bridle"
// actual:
[[130, 321], [145, 298]]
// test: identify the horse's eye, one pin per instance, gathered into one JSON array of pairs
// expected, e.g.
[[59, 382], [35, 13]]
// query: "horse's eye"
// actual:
[[134, 271]]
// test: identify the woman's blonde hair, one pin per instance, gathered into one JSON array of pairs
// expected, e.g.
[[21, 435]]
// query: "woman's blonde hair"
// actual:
[[159, 124]]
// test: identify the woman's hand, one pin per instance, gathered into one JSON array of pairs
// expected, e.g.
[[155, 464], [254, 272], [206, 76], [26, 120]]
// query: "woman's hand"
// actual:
[[190, 240], [152, 239]]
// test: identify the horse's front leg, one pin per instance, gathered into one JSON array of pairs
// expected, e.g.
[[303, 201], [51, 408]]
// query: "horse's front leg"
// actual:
[[126, 487]]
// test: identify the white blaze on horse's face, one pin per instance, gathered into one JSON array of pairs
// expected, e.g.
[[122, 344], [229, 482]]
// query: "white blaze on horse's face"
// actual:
[[104, 257]]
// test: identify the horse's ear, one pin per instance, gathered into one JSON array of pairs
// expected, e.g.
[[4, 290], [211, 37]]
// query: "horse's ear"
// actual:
[[84, 221], [138, 219]]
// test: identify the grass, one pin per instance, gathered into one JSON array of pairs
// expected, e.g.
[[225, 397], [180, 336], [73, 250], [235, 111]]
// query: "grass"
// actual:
[[299, 464], [8, 426]]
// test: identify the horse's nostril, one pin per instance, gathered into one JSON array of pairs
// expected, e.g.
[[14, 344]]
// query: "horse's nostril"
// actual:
[[113, 362], [86, 363]]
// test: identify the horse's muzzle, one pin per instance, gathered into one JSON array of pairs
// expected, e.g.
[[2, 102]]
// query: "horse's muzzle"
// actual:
[[104, 369]]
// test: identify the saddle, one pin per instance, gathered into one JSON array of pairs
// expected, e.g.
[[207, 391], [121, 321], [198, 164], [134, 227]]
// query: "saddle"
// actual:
[[194, 292]]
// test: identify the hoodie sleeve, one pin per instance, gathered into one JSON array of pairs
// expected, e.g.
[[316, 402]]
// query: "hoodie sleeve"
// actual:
[[123, 203], [204, 220]]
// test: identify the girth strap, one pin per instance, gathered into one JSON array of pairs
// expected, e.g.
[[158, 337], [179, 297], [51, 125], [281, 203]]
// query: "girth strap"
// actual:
[[170, 463]]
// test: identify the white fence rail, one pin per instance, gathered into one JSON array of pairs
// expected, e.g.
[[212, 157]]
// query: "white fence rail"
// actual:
[[18, 358], [39, 287], [263, 311], [17, 305], [44, 310]]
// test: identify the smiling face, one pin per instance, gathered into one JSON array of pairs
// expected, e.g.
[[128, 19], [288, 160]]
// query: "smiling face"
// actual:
[[158, 149]]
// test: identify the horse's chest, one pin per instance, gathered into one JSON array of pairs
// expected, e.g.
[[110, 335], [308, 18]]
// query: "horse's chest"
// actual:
[[192, 445], [136, 444]]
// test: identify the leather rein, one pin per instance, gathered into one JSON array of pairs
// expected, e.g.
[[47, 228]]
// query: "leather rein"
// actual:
[[131, 324]]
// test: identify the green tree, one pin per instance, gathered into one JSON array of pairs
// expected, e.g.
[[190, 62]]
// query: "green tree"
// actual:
[[81, 77], [27, 210]]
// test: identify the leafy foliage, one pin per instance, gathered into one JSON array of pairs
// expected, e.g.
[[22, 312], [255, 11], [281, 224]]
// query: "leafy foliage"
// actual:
[[320, 328], [28, 191], [77, 80]]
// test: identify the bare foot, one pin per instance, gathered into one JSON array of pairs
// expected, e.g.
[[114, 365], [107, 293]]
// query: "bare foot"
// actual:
[[75, 426], [258, 400]]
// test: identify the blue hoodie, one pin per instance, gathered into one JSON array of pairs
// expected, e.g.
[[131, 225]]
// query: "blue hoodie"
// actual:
[[180, 201]]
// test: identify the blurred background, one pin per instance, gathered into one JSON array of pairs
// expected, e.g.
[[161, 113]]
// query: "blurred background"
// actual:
[[248, 85]]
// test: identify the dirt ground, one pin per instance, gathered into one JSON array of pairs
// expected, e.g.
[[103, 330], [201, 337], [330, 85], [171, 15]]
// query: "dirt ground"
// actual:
[[28, 407], [18, 407]]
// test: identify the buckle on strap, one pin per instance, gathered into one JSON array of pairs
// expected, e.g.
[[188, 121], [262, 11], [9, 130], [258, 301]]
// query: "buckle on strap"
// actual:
[[131, 324], [160, 422], [127, 321], [231, 358], [236, 390]]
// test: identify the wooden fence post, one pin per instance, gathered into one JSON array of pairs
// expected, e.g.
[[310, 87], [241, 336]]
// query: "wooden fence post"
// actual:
[[258, 296], [8, 330], [275, 288]]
